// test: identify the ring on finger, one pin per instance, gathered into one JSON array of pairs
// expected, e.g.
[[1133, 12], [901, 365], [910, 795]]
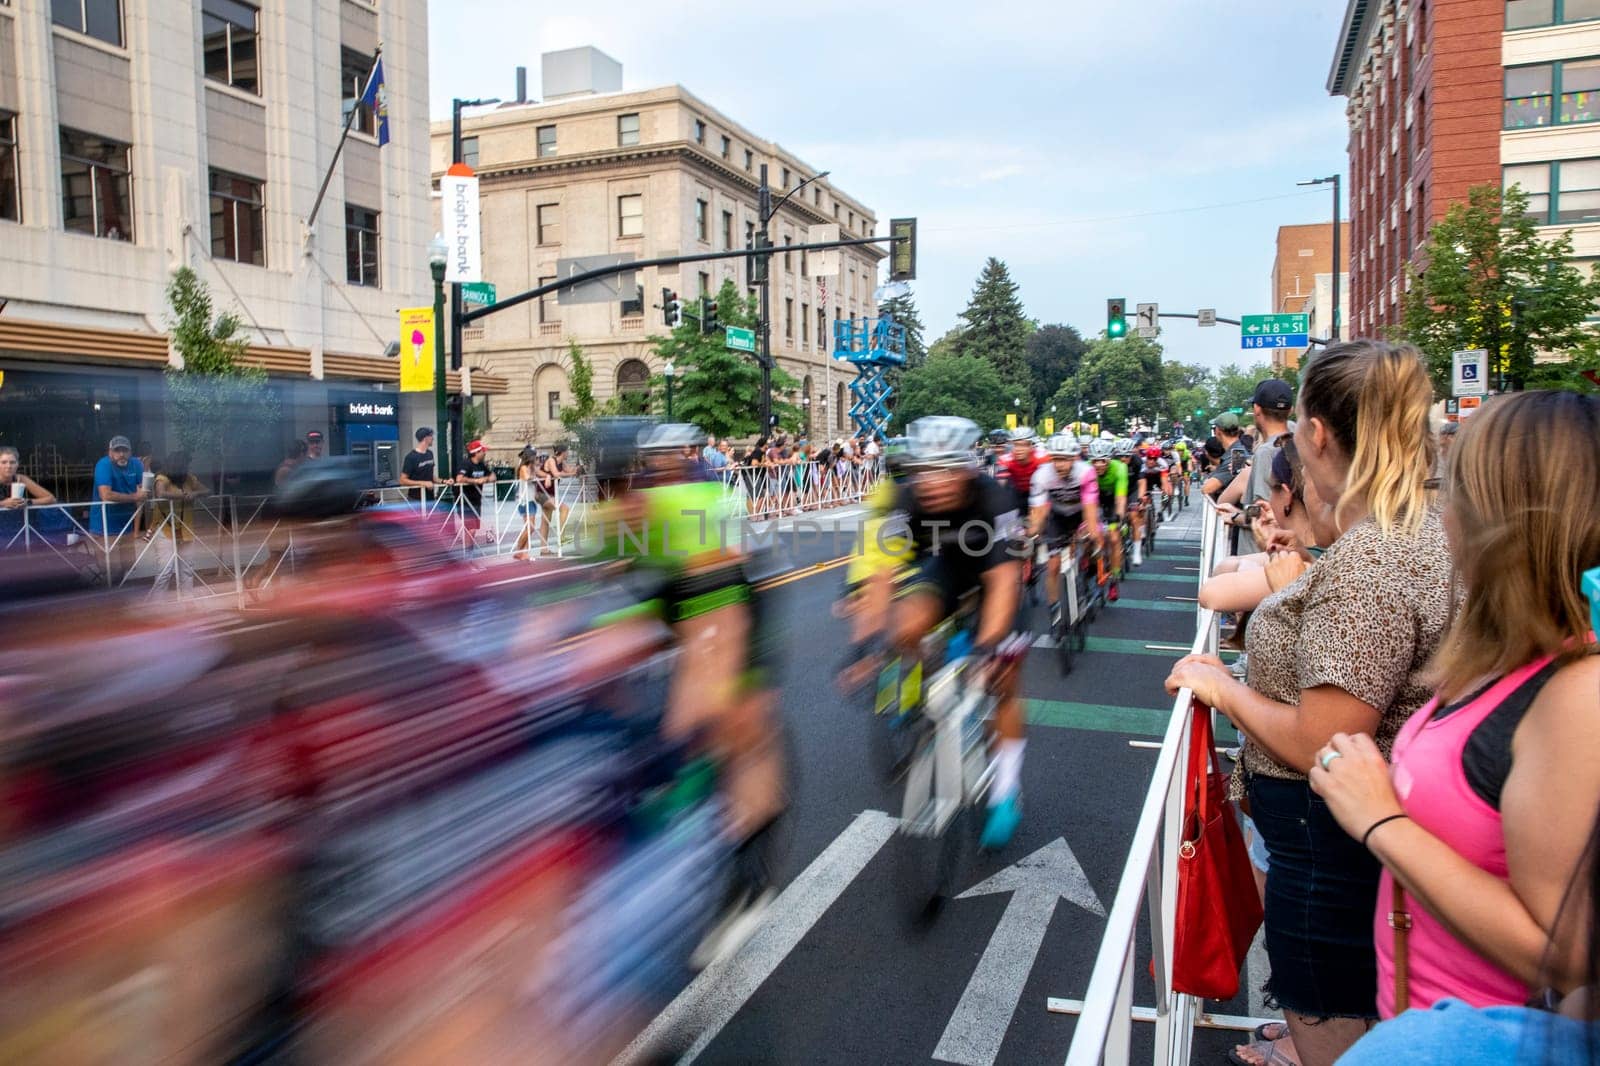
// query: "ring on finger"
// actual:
[[1328, 757]]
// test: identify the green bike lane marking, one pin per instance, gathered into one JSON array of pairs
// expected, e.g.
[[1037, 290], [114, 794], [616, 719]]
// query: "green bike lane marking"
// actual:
[[1105, 718], [1176, 579]]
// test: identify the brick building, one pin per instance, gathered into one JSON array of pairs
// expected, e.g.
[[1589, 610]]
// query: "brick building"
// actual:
[[1424, 80], [1302, 281]]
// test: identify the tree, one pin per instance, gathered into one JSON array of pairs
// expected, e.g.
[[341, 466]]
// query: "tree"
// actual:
[[1490, 281], [903, 309], [949, 344], [716, 388], [1234, 387], [1053, 353], [955, 385], [1186, 376], [995, 328], [217, 404], [1126, 374]]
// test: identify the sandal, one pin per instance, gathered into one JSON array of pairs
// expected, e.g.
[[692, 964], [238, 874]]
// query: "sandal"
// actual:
[[1260, 1035]]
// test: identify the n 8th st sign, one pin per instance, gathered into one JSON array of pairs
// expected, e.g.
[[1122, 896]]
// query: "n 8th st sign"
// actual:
[[1274, 331]]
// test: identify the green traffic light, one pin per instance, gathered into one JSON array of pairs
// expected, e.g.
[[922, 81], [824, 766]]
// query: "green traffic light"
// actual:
[[1117, 327]]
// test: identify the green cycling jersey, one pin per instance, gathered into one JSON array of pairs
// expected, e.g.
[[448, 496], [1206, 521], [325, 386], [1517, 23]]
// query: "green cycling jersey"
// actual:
[[1113, 483]]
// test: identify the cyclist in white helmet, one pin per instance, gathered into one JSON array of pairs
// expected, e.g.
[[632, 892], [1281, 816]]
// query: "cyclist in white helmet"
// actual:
[[961, 523], [1065, 498]]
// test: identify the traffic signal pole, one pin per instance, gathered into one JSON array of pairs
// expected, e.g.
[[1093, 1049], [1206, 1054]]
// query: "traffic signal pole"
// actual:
[[764, 338]]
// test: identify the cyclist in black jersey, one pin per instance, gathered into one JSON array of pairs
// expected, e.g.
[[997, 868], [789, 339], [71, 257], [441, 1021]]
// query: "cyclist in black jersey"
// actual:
[[965, 534]]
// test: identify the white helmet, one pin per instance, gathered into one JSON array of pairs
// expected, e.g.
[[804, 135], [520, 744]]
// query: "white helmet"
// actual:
[[1023, 433], [671, 436], [941, 440], [1063, 446], [1100, 449]]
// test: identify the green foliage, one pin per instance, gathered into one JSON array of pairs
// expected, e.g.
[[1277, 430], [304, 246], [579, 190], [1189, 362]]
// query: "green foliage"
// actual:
[[1187, 376], [580, 380], [1481, 257], [215, 403], [1236, 388], [996, 329], [716, 388], [955, 385], [1127, 371], [1053, 353], [949, 344], [904, 311], [475, 419]]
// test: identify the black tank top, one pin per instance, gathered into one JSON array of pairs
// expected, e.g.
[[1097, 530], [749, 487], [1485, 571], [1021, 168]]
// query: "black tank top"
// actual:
[[1486, 759]]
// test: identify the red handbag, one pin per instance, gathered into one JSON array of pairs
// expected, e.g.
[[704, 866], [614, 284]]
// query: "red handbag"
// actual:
[[1218, 909]]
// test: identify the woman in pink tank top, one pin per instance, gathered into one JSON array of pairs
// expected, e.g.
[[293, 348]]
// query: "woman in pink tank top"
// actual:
[[1485, 813]]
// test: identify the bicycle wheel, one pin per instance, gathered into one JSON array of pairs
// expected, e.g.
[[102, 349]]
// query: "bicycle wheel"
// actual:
[[1061, 634], [928, 864]]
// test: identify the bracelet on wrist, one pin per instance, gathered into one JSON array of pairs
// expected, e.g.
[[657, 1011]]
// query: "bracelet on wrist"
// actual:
[[1381, 821]]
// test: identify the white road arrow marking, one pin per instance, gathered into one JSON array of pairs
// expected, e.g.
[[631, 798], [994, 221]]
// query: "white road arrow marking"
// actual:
[[978, 1026]]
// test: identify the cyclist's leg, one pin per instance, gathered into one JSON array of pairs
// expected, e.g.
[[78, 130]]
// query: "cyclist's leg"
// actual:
[[1005, 794]]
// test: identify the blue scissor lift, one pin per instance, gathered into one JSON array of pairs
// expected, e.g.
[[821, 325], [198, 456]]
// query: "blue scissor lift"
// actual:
[[873, 345]]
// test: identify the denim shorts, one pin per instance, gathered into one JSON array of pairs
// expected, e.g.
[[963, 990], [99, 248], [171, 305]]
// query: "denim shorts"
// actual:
[[1322, 890]]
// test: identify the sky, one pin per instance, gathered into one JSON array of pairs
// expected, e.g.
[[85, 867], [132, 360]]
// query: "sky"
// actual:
[[1147, 151]]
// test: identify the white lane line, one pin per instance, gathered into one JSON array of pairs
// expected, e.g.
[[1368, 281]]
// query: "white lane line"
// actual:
[[713, 998]]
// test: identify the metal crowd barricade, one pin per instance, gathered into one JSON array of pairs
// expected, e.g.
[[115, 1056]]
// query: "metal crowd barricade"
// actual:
[[774, 491], [1106, 1014]]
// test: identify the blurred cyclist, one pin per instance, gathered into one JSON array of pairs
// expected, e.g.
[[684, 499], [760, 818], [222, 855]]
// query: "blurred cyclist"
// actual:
[[1015, 469], [1065, 497], [963, 526], [1112, 474]]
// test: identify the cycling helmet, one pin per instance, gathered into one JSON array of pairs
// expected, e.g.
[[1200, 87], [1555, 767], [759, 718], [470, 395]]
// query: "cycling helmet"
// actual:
[[999, 436], [1084, 439], [1022, 433], [616, 445], [1063, 446], [1100, 449], [671, 436], [941, 440], [1122, 448], [327, 488]]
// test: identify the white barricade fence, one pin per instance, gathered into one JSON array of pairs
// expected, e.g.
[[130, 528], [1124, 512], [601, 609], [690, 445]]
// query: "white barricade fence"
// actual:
[[785, 489], [1106, 1014]]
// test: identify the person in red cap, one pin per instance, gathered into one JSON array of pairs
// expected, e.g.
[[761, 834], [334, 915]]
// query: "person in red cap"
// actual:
[[472, 476]]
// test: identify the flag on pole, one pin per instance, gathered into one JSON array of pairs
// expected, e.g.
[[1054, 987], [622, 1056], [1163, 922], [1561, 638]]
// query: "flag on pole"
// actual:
[[377, 98]]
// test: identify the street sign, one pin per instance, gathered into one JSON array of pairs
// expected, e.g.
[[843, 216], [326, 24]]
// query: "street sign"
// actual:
[[1148, 314], [1469, 372], [600, 290], [1208, 316], [823, 264], [1452, 407], [1280, 340], [1470, 405], [739, 339], [1274, 331], [463, 234], [478, 292]]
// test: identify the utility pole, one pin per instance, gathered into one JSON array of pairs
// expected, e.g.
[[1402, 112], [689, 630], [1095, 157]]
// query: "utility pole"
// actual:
[[764, 216]]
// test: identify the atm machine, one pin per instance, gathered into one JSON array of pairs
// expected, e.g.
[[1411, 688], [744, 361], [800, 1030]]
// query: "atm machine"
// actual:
[[368, 426]]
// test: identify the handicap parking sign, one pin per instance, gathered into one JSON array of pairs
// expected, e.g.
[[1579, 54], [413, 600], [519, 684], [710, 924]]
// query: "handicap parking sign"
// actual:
[[1467, 377]]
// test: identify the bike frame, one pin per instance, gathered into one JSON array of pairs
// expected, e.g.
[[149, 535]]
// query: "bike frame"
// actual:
[[944, 777]]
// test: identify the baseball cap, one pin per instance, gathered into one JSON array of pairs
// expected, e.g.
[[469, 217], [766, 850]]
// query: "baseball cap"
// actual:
[[314, 436], [1273, 395], [476, 446], [423, 433], [119, 441], [1226, 420]]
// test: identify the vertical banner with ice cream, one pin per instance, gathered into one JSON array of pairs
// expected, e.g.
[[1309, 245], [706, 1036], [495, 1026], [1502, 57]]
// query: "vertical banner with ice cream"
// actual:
[[416, 349]]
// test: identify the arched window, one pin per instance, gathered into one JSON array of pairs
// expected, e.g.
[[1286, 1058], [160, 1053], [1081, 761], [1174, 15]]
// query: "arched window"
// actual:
[[632, 376]]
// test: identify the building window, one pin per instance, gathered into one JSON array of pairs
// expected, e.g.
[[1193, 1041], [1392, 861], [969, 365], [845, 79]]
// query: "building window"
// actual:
[[699, 131], [630, 216], [1557, 93], [788, 256], [705, 283], [100, 19], [547, 222], [822, 330], [785, 184], [469, 151], [788, 319], [634, 306], [96, 193], [805, 324], [547, 141], [552, 406], [804, 264], [547, 302], [816, 195], [627, 130], [354, 70], [700, 221], [727, 147], [228, 35], [361, 246], [1524, 14], [727, 231], [1563, 192], [749, 159], [237, 210], [10, 197]]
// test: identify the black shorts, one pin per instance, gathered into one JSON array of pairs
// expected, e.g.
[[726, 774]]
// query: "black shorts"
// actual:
[[948, 575], [1060, 529]]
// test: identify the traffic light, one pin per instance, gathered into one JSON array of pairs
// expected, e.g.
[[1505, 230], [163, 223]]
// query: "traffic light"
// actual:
[[756, 263], [671, 308], [903, 251], [1198, 413], [1116, 320], [708, 315]]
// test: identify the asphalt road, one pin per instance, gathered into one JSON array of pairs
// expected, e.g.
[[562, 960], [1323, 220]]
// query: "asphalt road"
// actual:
[[841, 973]]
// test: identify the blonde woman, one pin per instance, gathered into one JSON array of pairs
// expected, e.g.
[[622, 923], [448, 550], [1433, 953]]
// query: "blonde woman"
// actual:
[[1344, 648], [1488, 809]]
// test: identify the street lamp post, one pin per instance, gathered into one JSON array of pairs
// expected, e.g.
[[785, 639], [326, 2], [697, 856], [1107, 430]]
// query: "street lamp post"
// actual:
[[766, 210], [669, 375], [438, 254], [805, 411], [1334, 180]]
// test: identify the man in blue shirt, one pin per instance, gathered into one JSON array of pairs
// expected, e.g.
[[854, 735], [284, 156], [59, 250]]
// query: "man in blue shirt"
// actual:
[[118, 485]]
